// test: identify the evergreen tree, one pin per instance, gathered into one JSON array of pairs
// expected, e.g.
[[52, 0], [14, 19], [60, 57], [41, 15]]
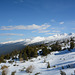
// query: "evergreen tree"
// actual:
[[28, 51], [62, 73], [35, 53], [55, 47], [7, 56], [67, 41], [32, 54], [25, 56], [57, 43], [20, 55], [44, 51], [13, 73], [72, 39], [71, 45], [48, 66], [1, 59]]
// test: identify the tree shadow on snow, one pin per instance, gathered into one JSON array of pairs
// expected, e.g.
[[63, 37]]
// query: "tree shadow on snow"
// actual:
[[64, 52], [62, 67]]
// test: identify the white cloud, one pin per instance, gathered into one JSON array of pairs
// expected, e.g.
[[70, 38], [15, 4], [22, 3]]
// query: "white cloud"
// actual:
[[55, 31], [44, 31], [51, 33], [23, 27], [41, 31], [61, 23], [10, 34]]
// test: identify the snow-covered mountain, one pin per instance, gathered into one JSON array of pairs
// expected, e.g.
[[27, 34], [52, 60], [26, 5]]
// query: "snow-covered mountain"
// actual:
[[19, 44], [39, 39]]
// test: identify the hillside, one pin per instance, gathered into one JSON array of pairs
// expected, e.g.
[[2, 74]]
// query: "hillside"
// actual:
[[7, 47], [58, 61], [45, 57]]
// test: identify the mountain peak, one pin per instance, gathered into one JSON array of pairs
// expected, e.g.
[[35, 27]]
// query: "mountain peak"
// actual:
[[39, 39]]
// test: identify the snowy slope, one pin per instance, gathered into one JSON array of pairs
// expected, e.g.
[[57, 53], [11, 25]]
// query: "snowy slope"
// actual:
[[57, 59]]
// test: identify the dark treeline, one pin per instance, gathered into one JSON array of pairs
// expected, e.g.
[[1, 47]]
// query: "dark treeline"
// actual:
[[26, 53]]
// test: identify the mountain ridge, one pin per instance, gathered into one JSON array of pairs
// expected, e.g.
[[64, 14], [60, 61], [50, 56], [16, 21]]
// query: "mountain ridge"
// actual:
[[39, 39], [6, 47]]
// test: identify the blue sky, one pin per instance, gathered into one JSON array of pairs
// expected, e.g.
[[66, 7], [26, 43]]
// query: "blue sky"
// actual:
[[20, 19]]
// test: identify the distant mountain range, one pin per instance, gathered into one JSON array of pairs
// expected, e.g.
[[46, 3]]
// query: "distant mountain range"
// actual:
[[9, 46]]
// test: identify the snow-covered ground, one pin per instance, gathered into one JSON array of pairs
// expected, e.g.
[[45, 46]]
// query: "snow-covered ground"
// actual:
[[57, 59]]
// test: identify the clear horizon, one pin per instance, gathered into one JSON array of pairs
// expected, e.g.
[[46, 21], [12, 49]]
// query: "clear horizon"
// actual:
[[20, 19]]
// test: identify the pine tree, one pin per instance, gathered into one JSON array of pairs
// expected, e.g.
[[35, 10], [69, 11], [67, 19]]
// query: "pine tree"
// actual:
[[7, 56], [55, 47], [25, 56], [13, 73], [72, 39], [20, 55], [1, 59], [44, 51], [57, 43], [48, 66], [71, 45], [28, 50], [35, 53], [62, 72]]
